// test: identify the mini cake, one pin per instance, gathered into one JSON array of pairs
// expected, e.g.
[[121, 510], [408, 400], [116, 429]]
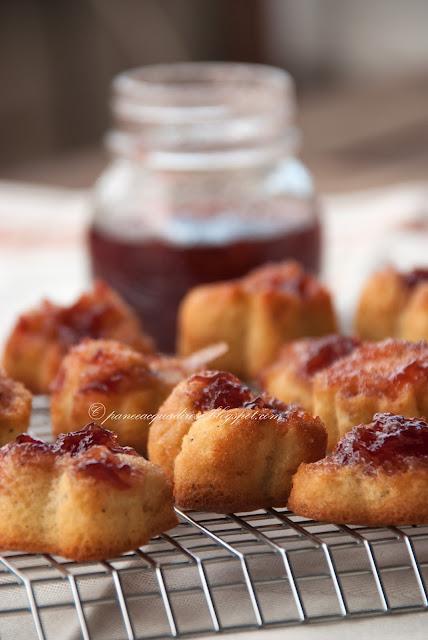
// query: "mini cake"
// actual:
[[394, 304], [82, 497], [15, 408], [42, 336], [255, 315], [227, 449], [376, 475], [290, 377], [121, 388], [386, 376]]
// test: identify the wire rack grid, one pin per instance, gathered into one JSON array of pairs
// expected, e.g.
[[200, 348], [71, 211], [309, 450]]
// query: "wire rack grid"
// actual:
[[217, 573]]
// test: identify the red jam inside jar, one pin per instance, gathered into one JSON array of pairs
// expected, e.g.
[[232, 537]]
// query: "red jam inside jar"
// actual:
[[74, 443], [154, 275]]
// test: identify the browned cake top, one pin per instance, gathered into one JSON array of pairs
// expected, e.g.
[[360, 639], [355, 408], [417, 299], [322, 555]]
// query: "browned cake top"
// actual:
[[310, 355], [95, 314], [286, 277], [390, 441], [378, 368], [413, 278], [13, 395], [104, 366], [222, 390], [8, 388], [93, 450]]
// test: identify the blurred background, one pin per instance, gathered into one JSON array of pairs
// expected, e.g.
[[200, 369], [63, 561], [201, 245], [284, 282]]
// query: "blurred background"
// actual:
[[361, 70]]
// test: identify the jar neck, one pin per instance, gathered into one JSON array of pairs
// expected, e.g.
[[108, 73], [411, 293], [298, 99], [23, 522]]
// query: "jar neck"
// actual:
[[204, 116]]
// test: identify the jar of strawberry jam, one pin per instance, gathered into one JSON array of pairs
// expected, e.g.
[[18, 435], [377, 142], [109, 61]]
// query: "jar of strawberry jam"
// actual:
[[204, 184]]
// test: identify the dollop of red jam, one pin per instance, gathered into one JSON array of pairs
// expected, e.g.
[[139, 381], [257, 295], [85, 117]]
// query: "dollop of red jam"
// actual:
[[85, 318], [90, 316], [73, 443], [415, 277], [324, 351], [379, 368], [92, 435], [223, 390], [102, 465], [390, 441]]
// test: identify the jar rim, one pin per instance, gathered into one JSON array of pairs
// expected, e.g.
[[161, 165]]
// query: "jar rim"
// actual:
[[176, 81], [200, 106]]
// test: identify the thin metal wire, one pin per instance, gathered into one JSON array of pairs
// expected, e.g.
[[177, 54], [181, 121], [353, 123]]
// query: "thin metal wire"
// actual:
[[203, 578], [237, 554], [75, 592], [287, 565], [417, 571], [328, 557], [30, 595], [121, 599], [373, 564], [163, 590]]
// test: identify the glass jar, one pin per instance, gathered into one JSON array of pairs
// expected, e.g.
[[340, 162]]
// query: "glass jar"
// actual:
[[204, 184]]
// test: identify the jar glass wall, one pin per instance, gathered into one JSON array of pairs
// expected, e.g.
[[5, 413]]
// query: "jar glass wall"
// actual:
[[204, 184]]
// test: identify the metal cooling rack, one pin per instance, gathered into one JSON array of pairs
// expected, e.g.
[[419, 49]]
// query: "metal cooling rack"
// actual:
[[216, 574]]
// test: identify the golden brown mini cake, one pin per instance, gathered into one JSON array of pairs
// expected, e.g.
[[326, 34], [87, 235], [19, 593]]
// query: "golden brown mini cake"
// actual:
[[121, 388], [15, 408], [386, 376], [42, 336], [394, 304], [82, 497], [290, 377], [228, 449], [377, 475], [255, 315]]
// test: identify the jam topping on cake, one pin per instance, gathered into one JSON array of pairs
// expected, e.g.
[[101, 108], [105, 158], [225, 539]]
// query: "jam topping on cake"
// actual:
[[89, 316], [92, 435], [85, 318], [73, 443], [378, 368], [415, 277], [223, 390], [93, 315], [390, 441], [82, 320], [108, 367], [220, 390], [319, 353], [93, 448]]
